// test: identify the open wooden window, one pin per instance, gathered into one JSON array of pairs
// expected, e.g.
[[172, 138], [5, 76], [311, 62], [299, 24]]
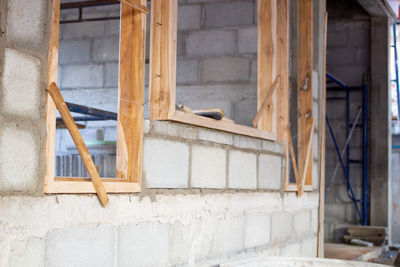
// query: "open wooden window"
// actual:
[[300, 131], [272, 71], [129, 143]]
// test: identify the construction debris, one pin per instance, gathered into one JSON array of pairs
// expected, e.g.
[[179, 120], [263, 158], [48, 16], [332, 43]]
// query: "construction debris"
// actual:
[[375, 234]]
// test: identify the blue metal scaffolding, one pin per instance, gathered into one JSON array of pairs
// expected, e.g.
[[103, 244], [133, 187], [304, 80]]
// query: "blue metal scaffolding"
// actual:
[[347, 161]]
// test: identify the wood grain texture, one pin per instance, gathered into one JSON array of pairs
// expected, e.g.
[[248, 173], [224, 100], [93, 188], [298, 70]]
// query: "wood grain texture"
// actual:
[[50, 106], [267, 102], [306, 166], [79, 143], [131, 93], [293, 157], [304, 80], [137, 6], [267, 54], [322, 136], [283, 68], [162, 73]]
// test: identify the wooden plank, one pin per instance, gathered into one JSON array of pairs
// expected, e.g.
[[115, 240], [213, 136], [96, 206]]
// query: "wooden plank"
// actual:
[[162, 71], [283, 69], [131, 93], [367, 230], [308, 156], [137, 6], [322, 151], [86, 187], [293, 188], [79, 143], [50, 106], [222, 125], [267, 54], [304, 83], [266, 103]]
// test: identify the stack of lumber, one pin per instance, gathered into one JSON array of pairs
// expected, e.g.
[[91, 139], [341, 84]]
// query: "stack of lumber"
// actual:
[[374, 234]]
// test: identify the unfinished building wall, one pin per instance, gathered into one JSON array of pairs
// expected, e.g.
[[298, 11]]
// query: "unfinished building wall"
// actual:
[[348, 59], [208, 196]]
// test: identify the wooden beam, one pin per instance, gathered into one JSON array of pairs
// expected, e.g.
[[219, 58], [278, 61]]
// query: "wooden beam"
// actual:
[[79, 143], [267, 54], [304, 83], [322, 150], [283, 68], [50, 106], [162, 71], [266, 103], [308, 157], [131, 93], [137, 6]]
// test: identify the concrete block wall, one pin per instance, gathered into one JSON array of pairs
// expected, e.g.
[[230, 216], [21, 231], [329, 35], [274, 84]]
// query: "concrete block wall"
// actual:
[[217, 52], [203, 158], [201, 214], [348, 59]]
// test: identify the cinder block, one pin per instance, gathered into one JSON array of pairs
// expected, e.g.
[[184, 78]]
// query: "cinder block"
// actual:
[[19, 160], [281, 226], [309, 247], [82, 76], [187, 70], [143, 244], [225, 69], [215, 137], [165, 128], [246, 142], [208, 167], [254, 72], [90, 29], [291, 250], [275, 147], [210, 43], [242, 172], [25, 23], [111, 75], [87, 245], [106, 49], [314, 221], [113, 27], [247, 39], [165, 163], [302, 222], [257, 232], [335, 212], [189, 17], [74, 51], [28, 252], [269, 172], [229, 14], [228, 236], [338, 38], [245, 110], [21, 85]]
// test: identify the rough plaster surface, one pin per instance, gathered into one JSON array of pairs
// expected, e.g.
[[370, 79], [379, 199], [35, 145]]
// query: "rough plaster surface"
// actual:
[[197, 226]]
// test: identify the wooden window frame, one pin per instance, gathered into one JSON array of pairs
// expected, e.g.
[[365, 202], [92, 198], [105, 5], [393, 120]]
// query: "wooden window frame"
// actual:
[[304, 101], [130, 106], [273, 62]]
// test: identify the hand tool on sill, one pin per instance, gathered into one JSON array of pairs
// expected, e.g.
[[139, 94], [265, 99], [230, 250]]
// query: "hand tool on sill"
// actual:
[[216, 113]]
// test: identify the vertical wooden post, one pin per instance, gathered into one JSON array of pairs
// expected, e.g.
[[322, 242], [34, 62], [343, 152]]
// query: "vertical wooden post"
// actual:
[[267, 57], [131, 92], [283, 69], [162, 73], [304, 83], [50, 105]]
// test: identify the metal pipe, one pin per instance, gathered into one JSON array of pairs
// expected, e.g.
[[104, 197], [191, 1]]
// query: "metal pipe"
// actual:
[[334, 79], [85, 118], [89, 20], [92, 3], [365, 156], [92, 111]]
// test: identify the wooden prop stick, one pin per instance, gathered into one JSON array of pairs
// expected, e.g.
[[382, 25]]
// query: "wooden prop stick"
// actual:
[[292, 155], [79, 143], [266, 102], [308, 155], [136, 6]]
